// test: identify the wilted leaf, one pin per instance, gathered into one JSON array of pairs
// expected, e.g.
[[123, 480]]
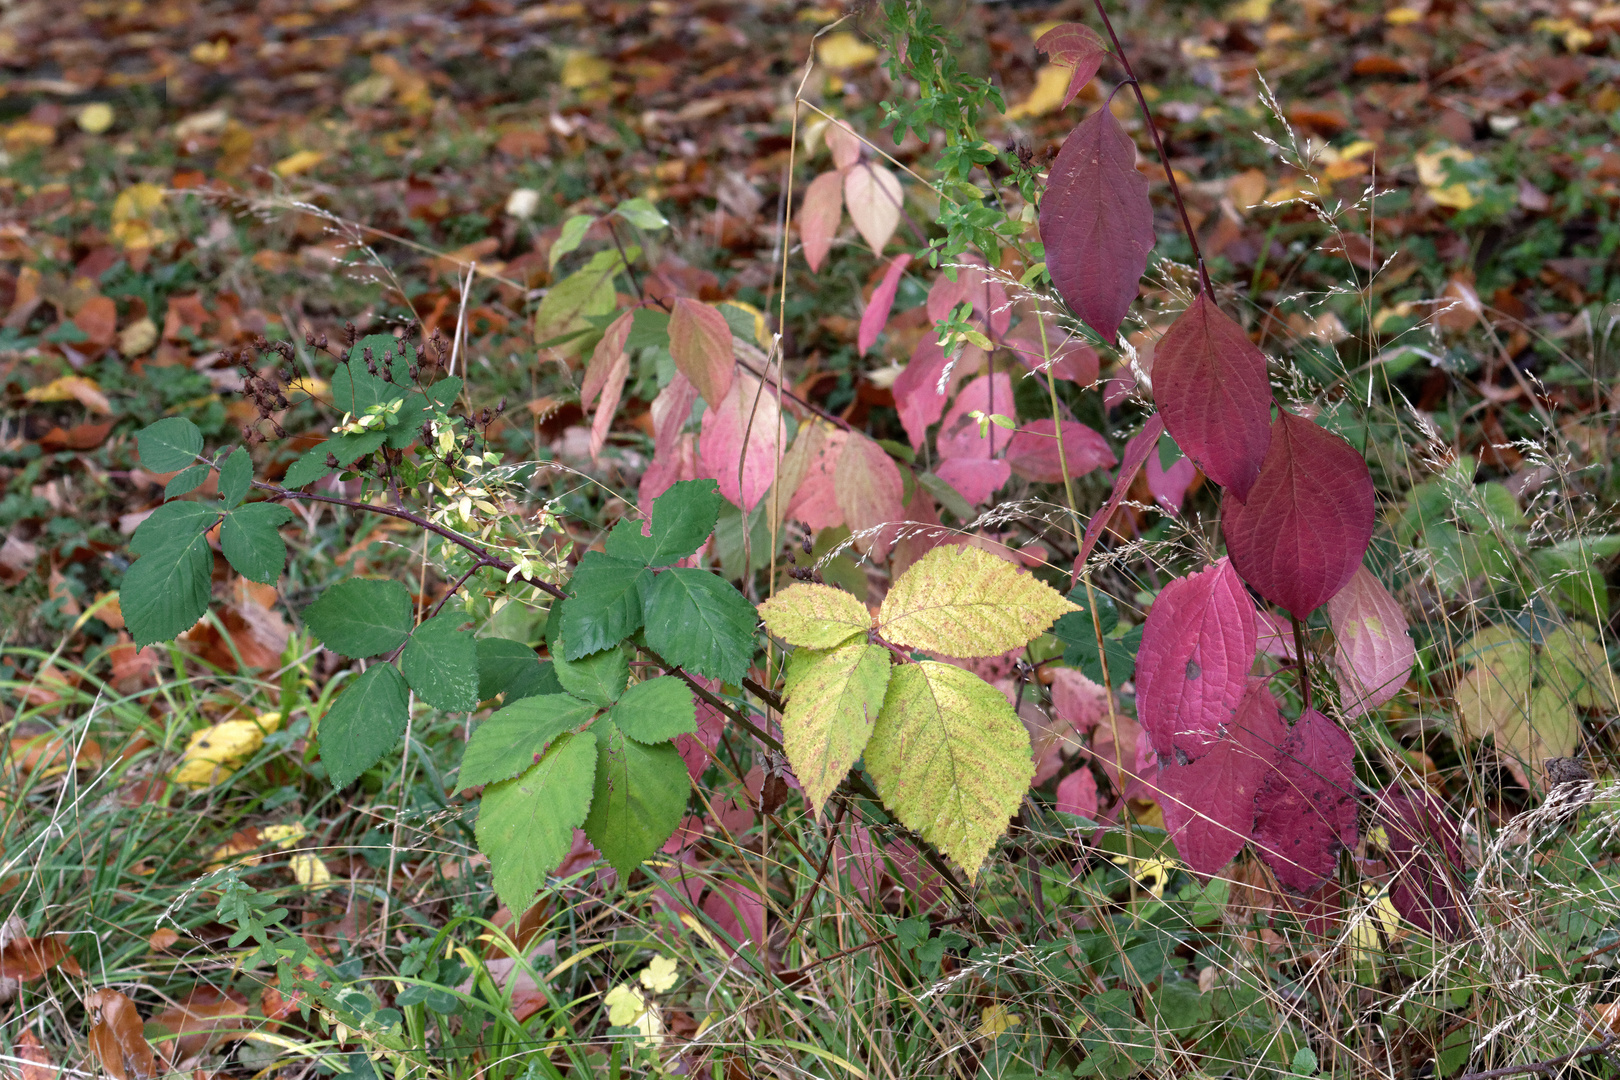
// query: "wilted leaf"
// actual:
[[85, 391], [203, 1019], [833, 698], [116, 1036], [214, 753], [700, 341], [1306, 809], [965, 602], [873, 196], [876, 315], [1372, 649]]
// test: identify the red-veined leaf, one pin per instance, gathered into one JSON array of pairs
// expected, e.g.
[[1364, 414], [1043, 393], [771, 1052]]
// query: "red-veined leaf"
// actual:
[[1198, 645], [959, 435], [1033, 451], [815, 500], [1210, 384], [876, 315], [700, 342], [1097, 223], [873, 196], [1372, 649], [975, 479], [1306, 809], [1169, 486], [819, 215], [1074, 45], [1209, 804], [739, 441], [1301, 533], [1077, 794], [844, 144], [1426, 849], [870, 494], [1137, 449]]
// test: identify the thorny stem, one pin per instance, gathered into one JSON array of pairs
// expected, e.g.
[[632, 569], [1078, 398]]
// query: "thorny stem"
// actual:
[[1158, 144]]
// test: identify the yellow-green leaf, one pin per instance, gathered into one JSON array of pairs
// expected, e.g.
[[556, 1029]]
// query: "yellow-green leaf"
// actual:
[[815, 616], [963, 601], [1497, 689], [1575, 664], [833, 699], [950, 758]]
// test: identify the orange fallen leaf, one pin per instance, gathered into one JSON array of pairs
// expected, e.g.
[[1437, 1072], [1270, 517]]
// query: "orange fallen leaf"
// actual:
[[25, 958], [117, 1038], [35, 1063], [162, 938]]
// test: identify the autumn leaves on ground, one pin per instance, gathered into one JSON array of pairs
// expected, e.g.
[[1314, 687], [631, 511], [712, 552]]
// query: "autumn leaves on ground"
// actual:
[[798, 250]]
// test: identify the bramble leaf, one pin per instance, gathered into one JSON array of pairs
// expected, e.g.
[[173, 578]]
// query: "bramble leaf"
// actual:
[[965, 602], [600, 676], [526, 826], [354, 389], [167, 590], [170, 444], [870, 494], [361, 617], [605, 603], [833, 699], [441, 662], [252, 543], [310, 467], [655, 711], [700, 342], [173, 522], [516, 737], [683, 517], [640, 796], [512, 668], [815, 616], [699, 622], [364, 723], [949, 758], [235, 477], [1306, 808], [1373, 652], [186, 480]]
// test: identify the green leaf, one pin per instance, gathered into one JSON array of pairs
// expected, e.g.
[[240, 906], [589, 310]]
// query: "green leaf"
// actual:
[[648, 330], [347, 449], [1180, 1007], [252, 543], [1116, 1042], [699, 622], [642, 214], [815, 616], [512, 668], [364, 723], [361, 617], [418, 408], [599, 677], [568, 240], [656, 710], [948, 496], [169, 444], [639, 799], [605, 603], [949, 758], [571, 302], [186, 480], [172, 523], [354, 389], [682, 518], [235, 477], [167, 590], [441, 663], [526, 826], [516, 737], [1079, 637], [965, 602], [833, 698], [310, 467]]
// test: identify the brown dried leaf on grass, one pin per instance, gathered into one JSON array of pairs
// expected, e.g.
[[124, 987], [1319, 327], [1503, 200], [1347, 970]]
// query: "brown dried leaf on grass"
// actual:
[[205, 1018], [117, 1037]]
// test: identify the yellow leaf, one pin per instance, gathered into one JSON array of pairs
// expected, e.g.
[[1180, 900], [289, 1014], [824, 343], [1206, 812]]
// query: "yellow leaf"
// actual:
[[95, 118], [137, 202], [1153, 873], [659, 975], [309, 870], [833, 698], [301, 162], [85, 391], [843, 51], [1433, 166], [1051, 86], [627, 1008], [211, 52], [1402, 16], [284, 836], [137, 337], [815, 616], [213, 754], [1250, 10], [581, 69], [965, 602], [995, 1020]]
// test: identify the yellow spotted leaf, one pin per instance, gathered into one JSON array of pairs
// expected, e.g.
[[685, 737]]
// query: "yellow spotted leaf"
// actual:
[[214, 753], [965, 602], [950, 758], [815, 616], [833, 700]]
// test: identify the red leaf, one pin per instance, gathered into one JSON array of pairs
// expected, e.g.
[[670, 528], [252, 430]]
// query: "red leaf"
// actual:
[[739, 912], [1425, 847], [1169, 486], [972, 286], [1033, 451], [862, 860], [1210, 383], [674, 452], [1074, 45], [1137, 449], [1198, 645], [1276, 636], [975, 479], [1067, 355], [844, 144], [740, 439], [1209, 804], [918, 539], [870, 494], [609, 367], [819, 215], [920, 390], [1300, 535], [1372, 649], [876, 315], [959, 435], [1077, 794], [815, 499], [1306, 809], [711, 725], [1097, 223], [700, 342]]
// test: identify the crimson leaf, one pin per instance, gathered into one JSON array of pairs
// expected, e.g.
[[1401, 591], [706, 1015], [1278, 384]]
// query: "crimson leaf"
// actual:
[[1137, 449], [1424, 846], [1306, 809]]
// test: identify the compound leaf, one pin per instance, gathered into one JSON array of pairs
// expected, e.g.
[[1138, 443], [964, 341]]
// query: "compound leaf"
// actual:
[[170, 444], [441, 663], [655, 711], [526, 826], [167, 590], [235, 477], [309, 467], [364, 723], [815, 616], [599, 676], [833, 699], [700, 622], [252, 543], [965, 602], [605, 605], [361, 617], [639, 799], [516, 737]]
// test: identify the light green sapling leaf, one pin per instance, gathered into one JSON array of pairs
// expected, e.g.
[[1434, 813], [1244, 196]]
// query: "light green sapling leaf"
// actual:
[[656, 710], [516, 737], [526, 826]]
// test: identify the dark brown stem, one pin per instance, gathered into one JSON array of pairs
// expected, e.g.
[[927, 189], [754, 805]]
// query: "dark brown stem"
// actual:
[[797, 400], [1548, 1066], [478, 564], [821, 873], [1158, 144], [1299, 656]]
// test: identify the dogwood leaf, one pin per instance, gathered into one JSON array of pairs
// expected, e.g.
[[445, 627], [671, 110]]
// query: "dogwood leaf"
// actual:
[[1306, 808], [1373, 652]]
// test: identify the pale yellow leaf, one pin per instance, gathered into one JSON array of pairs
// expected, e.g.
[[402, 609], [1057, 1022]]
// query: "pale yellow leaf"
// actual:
[[85, 391], [1497, 689], [581, 69], [950, 758], [963, 601], [833, 700], [1051, 87], [309, 870], [996, 1020], [659, 975], [137, 337], [872, 194], [815, 616], [842, 51], [213, 754], [1433, 170], [95, 118]]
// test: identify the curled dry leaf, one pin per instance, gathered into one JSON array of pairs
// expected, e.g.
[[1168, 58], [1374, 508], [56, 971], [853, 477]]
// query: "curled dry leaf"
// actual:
[[873, 196], [604, 378], [205, 1018]]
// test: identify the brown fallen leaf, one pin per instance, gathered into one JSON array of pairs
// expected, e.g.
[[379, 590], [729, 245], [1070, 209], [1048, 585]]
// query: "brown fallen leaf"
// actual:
[[204, 1019], [34, 1063], [26, 959], [47, 754], [162, 938], [116, 1036]]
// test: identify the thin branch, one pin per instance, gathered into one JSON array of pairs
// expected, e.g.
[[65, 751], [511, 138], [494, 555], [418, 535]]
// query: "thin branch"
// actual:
[[1547, 1066]]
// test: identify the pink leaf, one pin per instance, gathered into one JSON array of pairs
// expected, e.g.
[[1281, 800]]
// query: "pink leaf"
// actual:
[[921, 881], [1074, 45], [1211, 386], [870, 494], [1097, 223], [739, 912], [1300, 535], [700, 342], [739, 441], [1306, 809], [609, 367], [844, 144], [1373, 651], [860, 858], [1077, 700], [971, 286], [920, 390], [1067, 355], [1425, 847], [1137, 449], [876, 315], [674, 451], [918, 539], [1033, 451], [873, 196], [819, 216], [815, 501], [711, 726], [1169, 486], [1209, 804], [1198, 645], [680, 462], [1077, 794], [1276, 636], [959, 435], [975, 479]]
